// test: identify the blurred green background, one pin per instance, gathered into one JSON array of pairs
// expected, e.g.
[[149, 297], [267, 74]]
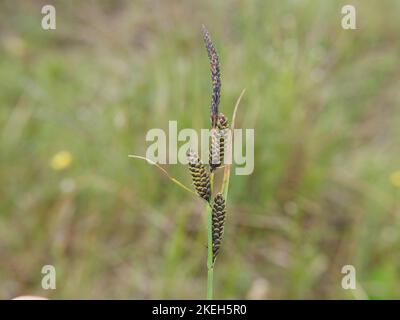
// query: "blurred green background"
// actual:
[[324, 103]]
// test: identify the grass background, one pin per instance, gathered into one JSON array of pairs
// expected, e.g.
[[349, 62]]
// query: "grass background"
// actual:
[[324, 103]]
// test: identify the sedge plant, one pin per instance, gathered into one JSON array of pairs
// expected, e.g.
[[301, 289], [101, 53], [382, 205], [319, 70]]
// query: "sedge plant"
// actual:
[[203, 174]]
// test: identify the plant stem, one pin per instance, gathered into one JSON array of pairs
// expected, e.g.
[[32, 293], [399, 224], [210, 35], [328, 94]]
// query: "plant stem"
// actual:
[[210, 267], [210, 264]]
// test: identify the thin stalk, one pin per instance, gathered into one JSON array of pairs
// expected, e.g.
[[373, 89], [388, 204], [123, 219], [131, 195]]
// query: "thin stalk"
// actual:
[[210, 264], [227, 168], [210, 267], [174, 180]]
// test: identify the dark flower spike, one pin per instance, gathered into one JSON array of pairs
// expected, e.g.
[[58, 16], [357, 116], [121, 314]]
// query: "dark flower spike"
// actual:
[[218, 138], [215, 77], [218, 222], [200, 176]]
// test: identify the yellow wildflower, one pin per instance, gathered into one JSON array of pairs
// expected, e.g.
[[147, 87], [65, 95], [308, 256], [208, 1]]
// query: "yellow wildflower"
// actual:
[[61, 160], [395, 178], [15, 45]]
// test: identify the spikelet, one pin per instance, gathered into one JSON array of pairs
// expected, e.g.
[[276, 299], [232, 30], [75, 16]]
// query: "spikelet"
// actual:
[[222, 122], [217, 147], [200, 176], [218, 221], [215, 76]]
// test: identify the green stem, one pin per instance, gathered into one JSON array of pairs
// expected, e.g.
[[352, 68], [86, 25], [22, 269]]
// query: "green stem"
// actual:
[[210, 279], [210, 267], [210, 264], [225, 181]]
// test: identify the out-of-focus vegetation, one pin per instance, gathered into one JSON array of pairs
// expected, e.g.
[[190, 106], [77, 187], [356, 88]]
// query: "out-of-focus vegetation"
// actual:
[[76, 101]]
